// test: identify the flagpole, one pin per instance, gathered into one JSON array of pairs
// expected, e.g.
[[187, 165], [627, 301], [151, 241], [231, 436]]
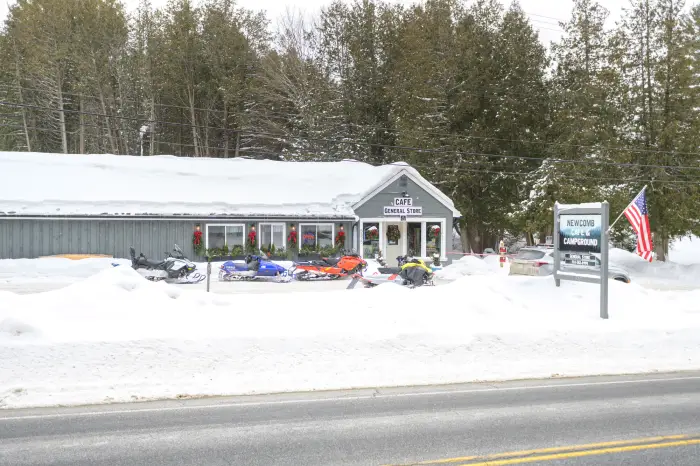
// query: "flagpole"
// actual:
[[623, 210]]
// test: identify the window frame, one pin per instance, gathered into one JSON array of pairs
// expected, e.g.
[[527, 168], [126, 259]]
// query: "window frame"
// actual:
[[301, 229], [284, 233], [206, 233]]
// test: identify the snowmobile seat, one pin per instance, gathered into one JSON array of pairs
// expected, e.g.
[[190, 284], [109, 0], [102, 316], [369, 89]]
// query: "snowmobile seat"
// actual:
[[254, 265], [332, 261], [389, 270], [142, 260]]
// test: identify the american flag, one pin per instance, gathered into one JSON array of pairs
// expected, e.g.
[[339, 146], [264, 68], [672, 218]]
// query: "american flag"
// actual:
[[638, 215]]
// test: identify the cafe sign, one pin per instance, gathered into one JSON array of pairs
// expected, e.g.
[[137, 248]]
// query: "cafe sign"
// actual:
[[403, 206]]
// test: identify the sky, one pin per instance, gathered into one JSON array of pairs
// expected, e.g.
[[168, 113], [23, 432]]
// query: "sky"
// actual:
[[544, 14]]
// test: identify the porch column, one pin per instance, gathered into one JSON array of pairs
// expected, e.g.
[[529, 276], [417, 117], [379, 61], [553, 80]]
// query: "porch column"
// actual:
[[360, 240], [423, 238], [403, 228], [443, 240], [382, 242]]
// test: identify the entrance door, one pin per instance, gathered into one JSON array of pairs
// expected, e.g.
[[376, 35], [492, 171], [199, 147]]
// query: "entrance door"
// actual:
[[394, 243], [415, 239]]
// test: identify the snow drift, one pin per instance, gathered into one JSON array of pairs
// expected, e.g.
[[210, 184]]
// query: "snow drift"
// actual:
[[118, 337]]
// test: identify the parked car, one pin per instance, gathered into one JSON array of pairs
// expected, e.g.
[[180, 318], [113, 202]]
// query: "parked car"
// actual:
[[538, 261]]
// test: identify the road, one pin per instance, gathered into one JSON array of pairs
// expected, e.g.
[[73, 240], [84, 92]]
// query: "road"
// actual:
[[627, 420]]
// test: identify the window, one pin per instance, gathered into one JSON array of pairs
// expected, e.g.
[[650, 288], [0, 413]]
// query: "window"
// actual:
[[370, 239], [316, 235], [272, 234], [219, 236], [433, 238]]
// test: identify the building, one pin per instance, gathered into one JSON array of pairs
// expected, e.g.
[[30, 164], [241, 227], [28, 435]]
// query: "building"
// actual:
[[103, 204]]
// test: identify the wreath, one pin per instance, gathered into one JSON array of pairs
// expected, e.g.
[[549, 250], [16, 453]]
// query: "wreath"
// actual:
[[372, 233], [393, 233], [292, 238], [251, 238], [197, 243], [340, 238], [434, 232]]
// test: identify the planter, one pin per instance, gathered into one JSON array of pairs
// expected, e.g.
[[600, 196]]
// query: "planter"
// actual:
[[277, 258], [227, 258], [309, 257]]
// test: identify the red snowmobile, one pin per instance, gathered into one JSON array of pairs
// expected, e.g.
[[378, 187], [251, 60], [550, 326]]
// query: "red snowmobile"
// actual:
[[328, 268]]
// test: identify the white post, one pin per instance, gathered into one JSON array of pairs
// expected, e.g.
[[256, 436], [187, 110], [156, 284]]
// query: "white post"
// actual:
[[382, 241], [360, 240], [423, 239], [404, 235], [443, 240]]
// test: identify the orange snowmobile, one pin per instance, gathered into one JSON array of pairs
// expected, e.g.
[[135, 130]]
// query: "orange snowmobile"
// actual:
[[328, 268]]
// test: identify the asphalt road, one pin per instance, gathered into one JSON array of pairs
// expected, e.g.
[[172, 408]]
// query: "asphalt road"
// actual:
[[632, 420]]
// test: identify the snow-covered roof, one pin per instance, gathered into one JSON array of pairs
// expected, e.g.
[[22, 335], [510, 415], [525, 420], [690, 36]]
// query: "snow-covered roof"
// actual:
[[70, 184]]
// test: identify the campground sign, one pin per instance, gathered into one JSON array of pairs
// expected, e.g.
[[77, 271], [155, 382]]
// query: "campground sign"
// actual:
[[580, 233], [581, 246]]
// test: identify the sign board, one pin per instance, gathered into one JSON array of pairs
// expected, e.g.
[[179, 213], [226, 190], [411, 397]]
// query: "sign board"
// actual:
[[392, 211], [403, 206], [580, 236], [585, 260], [580, 233]]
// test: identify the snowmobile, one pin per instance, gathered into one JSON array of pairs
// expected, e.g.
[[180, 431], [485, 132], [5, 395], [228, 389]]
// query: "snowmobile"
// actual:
[[411, 273], [328, 268], [253, 268], [175, 268]]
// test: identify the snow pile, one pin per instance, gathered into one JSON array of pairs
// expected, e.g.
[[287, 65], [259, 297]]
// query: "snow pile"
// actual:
[[685, 251], [471, 265], [118, 337], [660, 275], [53, 268], [213, 186]]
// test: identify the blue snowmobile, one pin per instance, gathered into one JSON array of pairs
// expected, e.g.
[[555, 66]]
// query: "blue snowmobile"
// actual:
[[253, 268]]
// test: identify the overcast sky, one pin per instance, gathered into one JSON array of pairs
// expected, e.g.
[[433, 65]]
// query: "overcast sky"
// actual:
[[544, 14]]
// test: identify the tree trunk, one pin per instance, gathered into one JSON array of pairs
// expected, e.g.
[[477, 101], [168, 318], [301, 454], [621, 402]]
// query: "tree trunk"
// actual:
[[661, 242], [152, 126], [226, 133], [463, 235], [474, 238], [648, 66], [61, 115], [107, 122], [82, 127], [21, 100], [529, 239], [195, 139], [206, 134], [238, 144]]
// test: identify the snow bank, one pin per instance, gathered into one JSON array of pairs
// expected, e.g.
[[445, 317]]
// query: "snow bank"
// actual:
[[127, 185], [685, 251], [117, 337], [661, 275], [471, 265]]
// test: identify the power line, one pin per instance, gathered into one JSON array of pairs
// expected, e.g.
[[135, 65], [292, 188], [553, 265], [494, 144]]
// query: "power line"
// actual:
[[457, 137], [264, 135]]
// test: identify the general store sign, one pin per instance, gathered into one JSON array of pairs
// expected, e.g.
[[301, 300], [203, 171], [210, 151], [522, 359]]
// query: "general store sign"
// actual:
[[403, 206]]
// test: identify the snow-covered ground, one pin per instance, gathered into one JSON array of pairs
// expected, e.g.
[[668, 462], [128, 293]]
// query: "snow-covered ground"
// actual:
[[109, 335]]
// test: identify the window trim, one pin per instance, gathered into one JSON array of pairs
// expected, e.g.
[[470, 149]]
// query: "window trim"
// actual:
[[284, 233], [301, 225], [206, 232]]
